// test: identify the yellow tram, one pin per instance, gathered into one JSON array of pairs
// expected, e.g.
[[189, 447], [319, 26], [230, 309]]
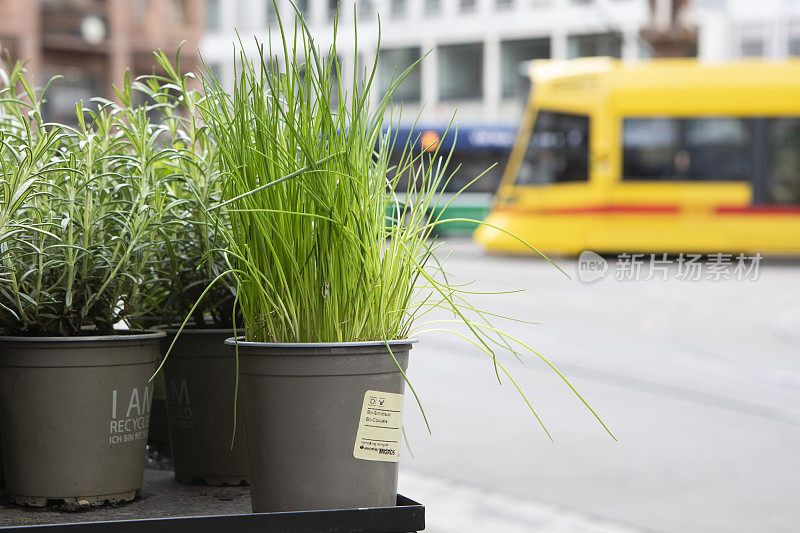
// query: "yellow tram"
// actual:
[[667, 155]]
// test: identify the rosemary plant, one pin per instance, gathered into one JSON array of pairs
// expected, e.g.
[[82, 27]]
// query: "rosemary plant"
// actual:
[[307, 183], [188, 257], [79, 210], [19, 170]]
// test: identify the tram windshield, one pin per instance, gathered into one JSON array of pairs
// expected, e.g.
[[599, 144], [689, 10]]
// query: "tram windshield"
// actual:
[[558, 150]]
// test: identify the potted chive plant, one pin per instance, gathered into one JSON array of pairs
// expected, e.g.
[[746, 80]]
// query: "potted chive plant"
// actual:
[[199, 375], [329, 291], [80, 212]]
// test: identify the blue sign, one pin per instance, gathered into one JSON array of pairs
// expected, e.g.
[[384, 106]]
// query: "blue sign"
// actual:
[[466, 138]]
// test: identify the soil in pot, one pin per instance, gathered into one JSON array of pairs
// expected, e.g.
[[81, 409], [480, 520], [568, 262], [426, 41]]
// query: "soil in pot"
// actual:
[[323, 423], [75, 413], [200, 381]]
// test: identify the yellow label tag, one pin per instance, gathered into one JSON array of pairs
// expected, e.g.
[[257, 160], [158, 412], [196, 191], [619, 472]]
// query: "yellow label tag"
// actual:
[[378, 436]]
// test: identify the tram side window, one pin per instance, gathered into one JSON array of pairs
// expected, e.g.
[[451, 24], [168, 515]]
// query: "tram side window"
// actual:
[[649, 148], [691, 149], [783, 175], [720, 149], [558, 150]]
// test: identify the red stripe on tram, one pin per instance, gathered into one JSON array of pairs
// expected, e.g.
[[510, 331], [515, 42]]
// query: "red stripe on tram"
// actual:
[[653, 210]]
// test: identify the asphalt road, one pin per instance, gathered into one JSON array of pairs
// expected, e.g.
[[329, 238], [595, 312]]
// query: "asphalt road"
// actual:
[[698, 380]]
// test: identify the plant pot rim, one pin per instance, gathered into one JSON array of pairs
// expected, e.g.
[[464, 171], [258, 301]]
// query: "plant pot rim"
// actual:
[[232, 341], [172, 330], [123, 335]]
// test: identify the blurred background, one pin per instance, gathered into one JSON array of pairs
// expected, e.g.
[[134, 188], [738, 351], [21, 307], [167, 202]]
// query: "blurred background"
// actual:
[[476, 52], [698, 377]]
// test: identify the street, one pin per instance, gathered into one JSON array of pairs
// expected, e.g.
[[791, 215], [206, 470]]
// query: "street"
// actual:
[[698, 380]]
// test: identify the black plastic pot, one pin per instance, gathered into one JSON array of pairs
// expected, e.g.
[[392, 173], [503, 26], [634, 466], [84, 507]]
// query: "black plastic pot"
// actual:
[[75, 413], [200, 380], [323, 423]]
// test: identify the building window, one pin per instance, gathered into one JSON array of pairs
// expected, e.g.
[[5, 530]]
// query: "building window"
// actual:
[[594, 45], [794, 39], [751, 41], [690, 149], [391, 64], [515, 52], [215, 69], [139, 11], [213, 15], [242, 18], [78, 82], [752, 48], [468, 6], [432, 7], [302, 7], [398, 9], [461, 71], [366, 10], [558, 150], [177, 12], [271, 13]]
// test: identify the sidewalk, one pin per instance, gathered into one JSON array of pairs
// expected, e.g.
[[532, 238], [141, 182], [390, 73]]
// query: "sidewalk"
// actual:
[[453, 507]]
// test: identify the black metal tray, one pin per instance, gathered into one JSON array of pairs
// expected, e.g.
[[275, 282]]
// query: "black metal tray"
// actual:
[[166, 506]]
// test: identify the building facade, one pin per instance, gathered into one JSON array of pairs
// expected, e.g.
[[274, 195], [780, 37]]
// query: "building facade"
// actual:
[[737, 29], [473, 48], [92, 42]]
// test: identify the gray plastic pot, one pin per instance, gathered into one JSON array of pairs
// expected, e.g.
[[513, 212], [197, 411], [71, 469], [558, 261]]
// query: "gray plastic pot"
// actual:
[[158, 450], [304, 408], [75, 413], [200, 380], [159, 455]]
